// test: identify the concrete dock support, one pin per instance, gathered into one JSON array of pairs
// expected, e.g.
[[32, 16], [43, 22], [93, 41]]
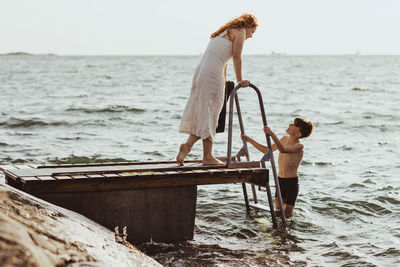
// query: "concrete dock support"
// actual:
[[161, 214]]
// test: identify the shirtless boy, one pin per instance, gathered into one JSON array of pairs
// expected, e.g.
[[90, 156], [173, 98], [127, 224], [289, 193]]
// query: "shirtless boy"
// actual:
[[290, 156]]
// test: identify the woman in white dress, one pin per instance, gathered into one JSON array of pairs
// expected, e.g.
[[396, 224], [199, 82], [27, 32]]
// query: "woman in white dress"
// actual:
[[200, 117]]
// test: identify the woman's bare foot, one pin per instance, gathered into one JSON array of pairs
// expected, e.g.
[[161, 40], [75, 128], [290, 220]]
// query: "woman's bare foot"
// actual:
[[183, 152], [212, 161]]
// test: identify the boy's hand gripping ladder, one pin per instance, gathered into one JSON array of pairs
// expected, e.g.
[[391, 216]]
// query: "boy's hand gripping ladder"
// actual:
[[244, 151]]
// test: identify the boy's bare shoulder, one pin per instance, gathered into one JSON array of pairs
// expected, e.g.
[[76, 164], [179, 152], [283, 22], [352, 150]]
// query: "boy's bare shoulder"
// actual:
[[301, 146]]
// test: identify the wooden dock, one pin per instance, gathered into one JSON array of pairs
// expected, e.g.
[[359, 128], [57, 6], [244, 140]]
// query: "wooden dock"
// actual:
[[155, 200], [128, 175]]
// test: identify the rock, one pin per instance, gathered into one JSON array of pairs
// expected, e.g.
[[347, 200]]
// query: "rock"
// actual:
[[36, 233]]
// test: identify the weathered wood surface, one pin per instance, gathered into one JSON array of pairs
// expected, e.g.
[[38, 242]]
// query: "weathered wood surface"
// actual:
[[233, 158], [105, 177]]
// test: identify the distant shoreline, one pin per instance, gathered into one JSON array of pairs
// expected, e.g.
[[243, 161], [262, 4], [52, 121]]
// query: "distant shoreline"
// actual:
[[17, 54], [20, 53], [272, 54]]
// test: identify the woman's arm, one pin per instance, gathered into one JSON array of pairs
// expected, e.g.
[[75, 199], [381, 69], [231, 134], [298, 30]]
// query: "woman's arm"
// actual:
[[226, 65], [237, 48]]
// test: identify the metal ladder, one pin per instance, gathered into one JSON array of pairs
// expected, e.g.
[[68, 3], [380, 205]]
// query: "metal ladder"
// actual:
[[268, 156]]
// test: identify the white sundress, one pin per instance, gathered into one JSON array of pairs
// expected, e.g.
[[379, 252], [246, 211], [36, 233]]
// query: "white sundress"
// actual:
[[200, 116]]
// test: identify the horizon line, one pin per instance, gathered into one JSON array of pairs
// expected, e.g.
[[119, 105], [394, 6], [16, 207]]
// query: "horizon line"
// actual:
[[20, 53]]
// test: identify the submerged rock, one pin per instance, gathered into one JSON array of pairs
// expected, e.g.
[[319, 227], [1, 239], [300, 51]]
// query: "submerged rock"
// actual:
[[36, 233]]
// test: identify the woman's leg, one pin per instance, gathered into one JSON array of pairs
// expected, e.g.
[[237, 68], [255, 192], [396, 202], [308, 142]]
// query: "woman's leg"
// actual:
[[185, 148], [208, 158]]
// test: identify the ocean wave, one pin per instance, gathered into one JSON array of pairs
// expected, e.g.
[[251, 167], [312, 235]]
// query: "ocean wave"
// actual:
[[9, 160], [390, 252], [23, 134], [374, 208], [84, 160], [29, 123], [387, 199], [3, 144], [369, 181], [324, 164], [343, 147], [69, 138], [19, 161], [386, 188], [153, 153], [110, 109], [245, 233], [374, 115], [197, 254], [338, 207], [360, 89], [356, 185], [330, 123], [341, 255], [15, 123]]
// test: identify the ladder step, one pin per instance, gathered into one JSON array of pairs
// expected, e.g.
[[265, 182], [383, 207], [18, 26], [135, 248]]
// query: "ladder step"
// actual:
[[259, 207]]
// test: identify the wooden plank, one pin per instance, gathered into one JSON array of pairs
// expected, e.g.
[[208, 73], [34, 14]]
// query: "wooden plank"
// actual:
[[143, 182], [13, 182], [9, 167], [115, 164], [63, 177], [212, 171], [145, 168], [30, 179], [244, 164], [23, 172], [95, 176], [136, 179], [224, 159], [10, 175], [171, 172], [158, 174], [33, 166], [138, 165], [200, 172], [77, 177], [46, 178], [133, 174], [111, 175], [127, 174], [226, 171], [188, 172], [4, 167]]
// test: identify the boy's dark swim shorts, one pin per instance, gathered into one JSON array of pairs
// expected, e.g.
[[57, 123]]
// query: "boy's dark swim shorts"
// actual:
[[289, 189]]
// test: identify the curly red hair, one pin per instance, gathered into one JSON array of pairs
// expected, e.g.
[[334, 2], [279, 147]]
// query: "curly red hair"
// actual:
[[246, 20]]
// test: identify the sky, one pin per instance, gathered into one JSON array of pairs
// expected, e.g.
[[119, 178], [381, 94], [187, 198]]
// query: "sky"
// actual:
[[183, 27]]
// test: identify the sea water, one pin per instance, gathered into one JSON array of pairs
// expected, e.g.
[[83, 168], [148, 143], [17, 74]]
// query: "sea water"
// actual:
[[76, 109]]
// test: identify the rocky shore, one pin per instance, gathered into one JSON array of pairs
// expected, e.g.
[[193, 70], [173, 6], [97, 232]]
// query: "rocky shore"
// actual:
[[19, 53], [36, 233]]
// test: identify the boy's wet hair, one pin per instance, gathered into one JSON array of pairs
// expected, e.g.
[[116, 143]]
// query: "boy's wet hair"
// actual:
[[306, 127]]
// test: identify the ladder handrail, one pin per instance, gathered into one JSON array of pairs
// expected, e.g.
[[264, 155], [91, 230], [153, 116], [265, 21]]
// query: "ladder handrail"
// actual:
[[232, 96]]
